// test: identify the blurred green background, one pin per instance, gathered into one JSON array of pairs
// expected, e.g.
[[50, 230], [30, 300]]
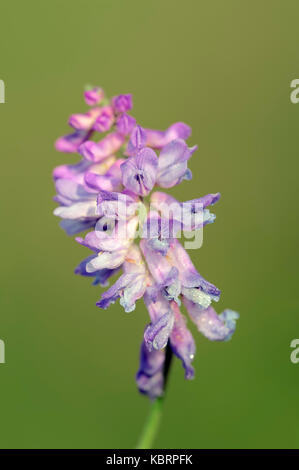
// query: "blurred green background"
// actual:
[[224, 68]]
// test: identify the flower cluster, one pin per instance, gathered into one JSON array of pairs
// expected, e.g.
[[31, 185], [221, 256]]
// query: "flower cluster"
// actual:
[[107, 192]]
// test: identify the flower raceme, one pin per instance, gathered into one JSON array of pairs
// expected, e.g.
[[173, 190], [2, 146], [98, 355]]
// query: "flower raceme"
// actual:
[[121, 164]]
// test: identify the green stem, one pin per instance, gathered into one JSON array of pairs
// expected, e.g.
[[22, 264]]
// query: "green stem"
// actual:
[[151, 426], [153, 421]]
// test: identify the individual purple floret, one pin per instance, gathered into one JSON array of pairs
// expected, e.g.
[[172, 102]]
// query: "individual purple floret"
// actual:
[[134, 229]]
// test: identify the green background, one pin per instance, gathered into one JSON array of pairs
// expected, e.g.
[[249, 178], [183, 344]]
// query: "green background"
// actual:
[[225, 68]]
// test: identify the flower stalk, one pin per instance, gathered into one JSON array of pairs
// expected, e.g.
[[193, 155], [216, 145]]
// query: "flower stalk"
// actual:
[[151, 426]]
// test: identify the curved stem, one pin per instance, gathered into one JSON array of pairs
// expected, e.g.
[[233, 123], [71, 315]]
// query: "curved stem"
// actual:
[[152, 424]]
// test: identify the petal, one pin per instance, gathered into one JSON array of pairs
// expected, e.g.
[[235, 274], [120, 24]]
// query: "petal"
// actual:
[[156, 304], [158, 199], [129, 287], [133, 292], [197, 296], [179, 130], [116, 205], [72, 227], [72, 172], [179, 257], [189, 276], [63, 201], [173, 288], [91, 241], [135, 267], [104, 120], [115, 291], [158, 139], [161, 246], [81, 268], [106, 260], [152, 386], [100, 182], [72, 190], [86, 209], [100, 277], [96, 152], [194, 213], [139, 173], [122, 103], [207, 200], [229, 317], [71, 142], [125, 124], [114, 235], [134, 262], [93, 96], [149, 378], [111, 181], [182, 342], [164, 274], [84, 122], [212, 326], [159, 267], [173, 163], [158, 232], [188, 215], [101, 168], [156, 334], [108, 237], [137, 141]]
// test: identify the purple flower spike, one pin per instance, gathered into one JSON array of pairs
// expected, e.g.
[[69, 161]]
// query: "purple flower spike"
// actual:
[[172, 167], [122, 103], [94, 96], [139, 173], [104, 193]]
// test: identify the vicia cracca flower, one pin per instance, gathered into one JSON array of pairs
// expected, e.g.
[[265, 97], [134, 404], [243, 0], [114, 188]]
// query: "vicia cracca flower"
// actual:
[[135, 229]]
